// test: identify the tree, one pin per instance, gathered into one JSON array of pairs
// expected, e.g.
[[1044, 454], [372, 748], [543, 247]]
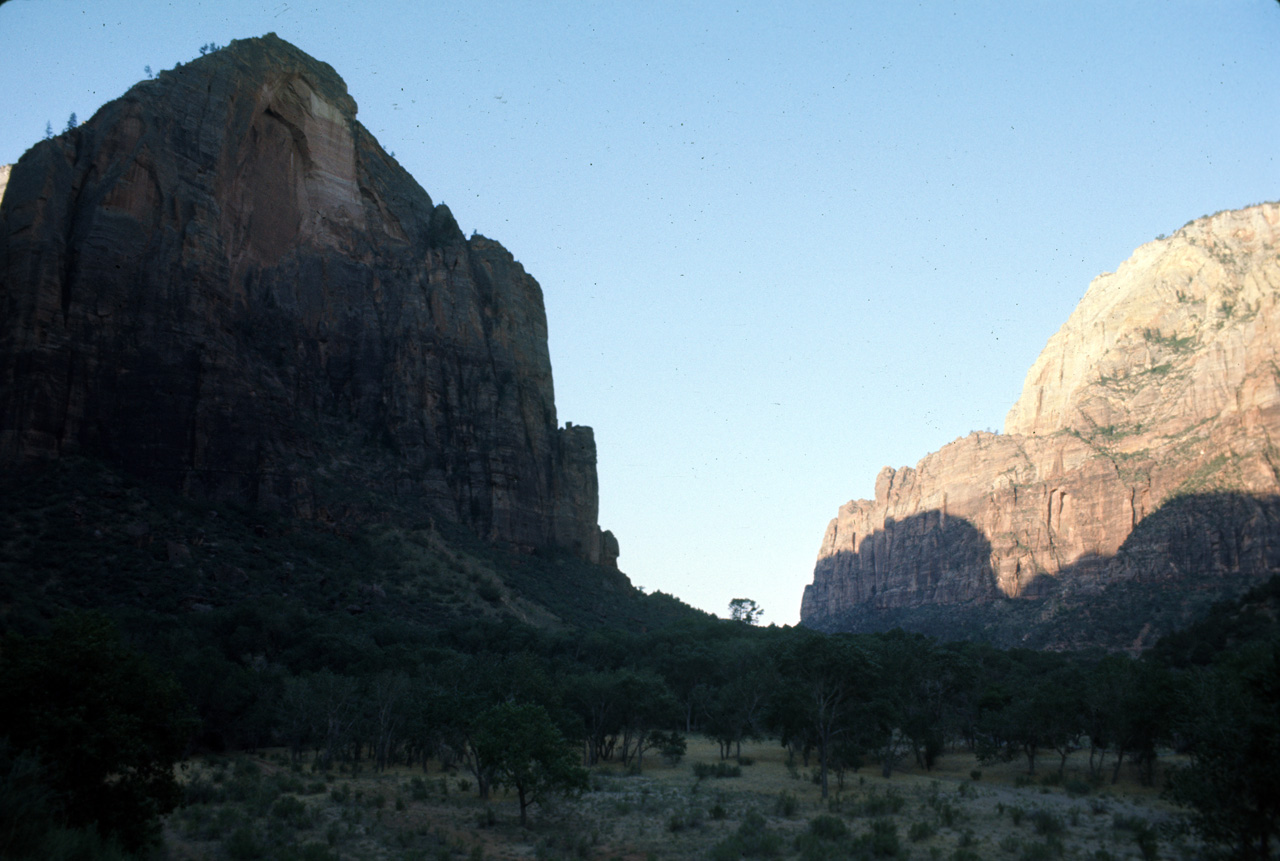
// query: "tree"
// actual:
[[527, 752], [915, 682], [827, 678], [1032, 706], [745, 610], [1231, 722], [72, 122], [388, 707], [735, 708], [107, 727], [48, 130], [689, 665], [646, 703], [598, 699], [1140, 698]]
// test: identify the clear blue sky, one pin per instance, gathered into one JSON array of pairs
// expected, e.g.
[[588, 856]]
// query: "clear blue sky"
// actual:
[[782, 244]]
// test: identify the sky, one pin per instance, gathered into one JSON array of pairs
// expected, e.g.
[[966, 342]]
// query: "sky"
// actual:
[[782, 245]]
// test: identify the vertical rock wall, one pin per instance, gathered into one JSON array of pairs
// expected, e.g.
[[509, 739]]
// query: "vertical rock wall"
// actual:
[[1163, 386], [223, 283]]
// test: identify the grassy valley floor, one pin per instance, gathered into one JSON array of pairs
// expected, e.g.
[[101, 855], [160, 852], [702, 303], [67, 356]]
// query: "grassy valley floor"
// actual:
[[259, 807]]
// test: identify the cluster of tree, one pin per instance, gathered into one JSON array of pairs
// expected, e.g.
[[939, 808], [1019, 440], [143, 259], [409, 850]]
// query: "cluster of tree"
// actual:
[[527, 708], [90, 732]]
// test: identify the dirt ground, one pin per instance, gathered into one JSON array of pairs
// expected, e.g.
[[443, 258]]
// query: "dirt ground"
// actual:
[[259, 807]]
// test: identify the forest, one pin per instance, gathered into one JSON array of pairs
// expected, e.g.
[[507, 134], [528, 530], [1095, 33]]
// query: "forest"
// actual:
[[105, 694]]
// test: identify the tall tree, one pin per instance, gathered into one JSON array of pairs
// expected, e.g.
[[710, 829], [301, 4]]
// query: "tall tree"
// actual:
[[1231, 723], [828, 679], [107, 727], [745, 610], [527, 753]]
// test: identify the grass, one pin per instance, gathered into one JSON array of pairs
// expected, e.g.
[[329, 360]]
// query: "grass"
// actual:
[[243, 807]]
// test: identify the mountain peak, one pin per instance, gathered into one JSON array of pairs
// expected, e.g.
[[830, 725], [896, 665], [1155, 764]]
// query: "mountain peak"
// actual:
[[1139, 457], [223, 284]]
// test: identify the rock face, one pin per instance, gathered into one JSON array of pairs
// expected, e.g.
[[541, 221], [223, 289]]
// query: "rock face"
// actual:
[[224, 284], [1162, 387]]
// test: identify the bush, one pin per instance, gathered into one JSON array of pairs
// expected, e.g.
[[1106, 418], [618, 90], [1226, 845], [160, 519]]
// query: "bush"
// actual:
[[1144, 835], [753, 839], [889, 804], [920, 831], [671, 745], [244, 844], [882, 841], [680, 821], [1047, 823], [291, 811], [703, 770], [787, 805], [289, 783], [200, 790], [1076, 787], [1043, 851], [826, 839], [1148, 843], [307, 852], [828, 827]]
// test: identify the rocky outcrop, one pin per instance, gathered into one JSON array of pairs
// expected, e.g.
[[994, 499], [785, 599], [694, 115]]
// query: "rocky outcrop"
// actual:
[[1164, 383], [224, 284]]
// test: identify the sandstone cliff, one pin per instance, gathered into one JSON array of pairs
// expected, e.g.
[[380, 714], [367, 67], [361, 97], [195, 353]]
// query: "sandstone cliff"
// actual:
[[1161, 390], [224, 284]]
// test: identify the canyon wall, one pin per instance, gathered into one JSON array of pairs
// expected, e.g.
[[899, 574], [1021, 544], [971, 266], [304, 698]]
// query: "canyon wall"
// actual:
[[222, 283], [1162, 389]]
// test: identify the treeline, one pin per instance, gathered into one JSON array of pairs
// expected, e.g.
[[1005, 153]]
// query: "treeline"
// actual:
[[836, 701], [361, 693], [370, 694]]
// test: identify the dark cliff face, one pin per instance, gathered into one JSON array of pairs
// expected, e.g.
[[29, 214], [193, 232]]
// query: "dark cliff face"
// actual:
[[223, 283]]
